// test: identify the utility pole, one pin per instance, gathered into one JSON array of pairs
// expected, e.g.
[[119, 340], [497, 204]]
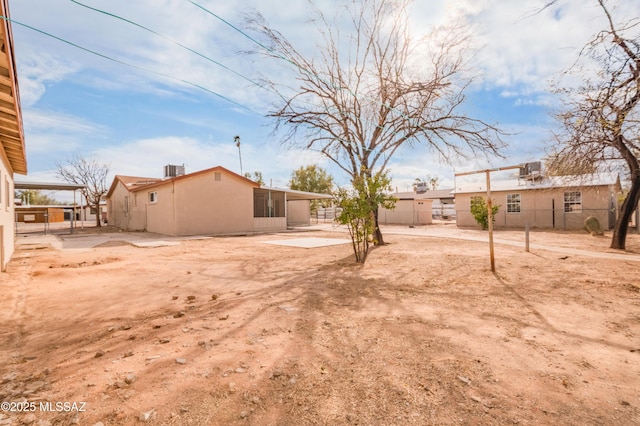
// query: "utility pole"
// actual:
[[236, 139]]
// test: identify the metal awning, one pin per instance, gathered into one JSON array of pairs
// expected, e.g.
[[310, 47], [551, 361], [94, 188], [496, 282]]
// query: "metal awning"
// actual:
[[49, 186], [293, 195]]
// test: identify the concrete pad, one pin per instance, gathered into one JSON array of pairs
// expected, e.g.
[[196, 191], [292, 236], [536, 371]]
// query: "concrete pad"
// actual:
[[152, 244], [309, 242]]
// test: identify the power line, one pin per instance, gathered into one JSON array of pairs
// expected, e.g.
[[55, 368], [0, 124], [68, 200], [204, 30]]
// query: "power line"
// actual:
[[226, 22], [177, 43], [272, 51], [137, 67]]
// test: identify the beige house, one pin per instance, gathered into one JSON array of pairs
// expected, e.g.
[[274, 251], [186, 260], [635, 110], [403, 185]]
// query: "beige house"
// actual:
[[12, 149], [558, 202], [214, 201], [410, 209]]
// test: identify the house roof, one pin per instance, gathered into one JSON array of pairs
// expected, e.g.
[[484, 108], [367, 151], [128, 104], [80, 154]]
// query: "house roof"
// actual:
[[11, 130], [433, 194], [551, 182], [130, 182], [137, 183]]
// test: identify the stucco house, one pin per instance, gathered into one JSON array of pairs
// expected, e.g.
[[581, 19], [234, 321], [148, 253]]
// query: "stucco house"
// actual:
[[12, 148], [214, 201], [411, 209], [557, 202], [442, 203]]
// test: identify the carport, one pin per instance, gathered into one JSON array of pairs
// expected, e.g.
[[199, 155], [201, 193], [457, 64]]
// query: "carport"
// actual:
[[53, 186]]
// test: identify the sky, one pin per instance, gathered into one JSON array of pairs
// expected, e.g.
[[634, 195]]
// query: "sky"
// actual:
[[99, 85]]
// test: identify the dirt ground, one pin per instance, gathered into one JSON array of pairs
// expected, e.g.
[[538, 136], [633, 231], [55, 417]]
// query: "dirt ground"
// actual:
[[234, 331]]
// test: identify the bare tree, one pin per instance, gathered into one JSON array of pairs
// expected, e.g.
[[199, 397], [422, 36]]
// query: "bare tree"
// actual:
[[602, 121], [93, 175], [370, 92]]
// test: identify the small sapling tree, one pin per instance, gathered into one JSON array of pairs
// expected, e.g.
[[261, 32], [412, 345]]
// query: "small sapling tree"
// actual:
[[358, 206], [481, 213]]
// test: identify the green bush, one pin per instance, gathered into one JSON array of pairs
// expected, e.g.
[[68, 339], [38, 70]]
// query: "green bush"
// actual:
[[480, 212]]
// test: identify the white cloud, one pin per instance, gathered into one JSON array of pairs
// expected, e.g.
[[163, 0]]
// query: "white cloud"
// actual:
[[55, 122], [59, 133], [147, 157], [37, 71]]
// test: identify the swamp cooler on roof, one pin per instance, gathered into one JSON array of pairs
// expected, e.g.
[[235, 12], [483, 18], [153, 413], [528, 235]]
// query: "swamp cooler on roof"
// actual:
[[172, 170]]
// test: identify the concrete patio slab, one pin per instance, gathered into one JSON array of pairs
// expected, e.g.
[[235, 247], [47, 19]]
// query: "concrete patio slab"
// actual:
[[309, 242]]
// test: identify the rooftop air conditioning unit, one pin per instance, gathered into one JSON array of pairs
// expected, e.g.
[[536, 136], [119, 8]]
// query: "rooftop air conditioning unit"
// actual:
[[171, 170], [531, 171], [421, 187]]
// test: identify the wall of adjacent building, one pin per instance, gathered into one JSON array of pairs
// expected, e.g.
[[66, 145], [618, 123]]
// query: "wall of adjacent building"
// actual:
[[7, 230], [216, 202], [407, 212], [125, 209], [298, 212], [543, 208]]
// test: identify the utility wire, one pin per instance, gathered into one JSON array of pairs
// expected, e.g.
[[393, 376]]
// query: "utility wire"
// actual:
[[202, 55], [190, 83], [113, 15], [272, 51]]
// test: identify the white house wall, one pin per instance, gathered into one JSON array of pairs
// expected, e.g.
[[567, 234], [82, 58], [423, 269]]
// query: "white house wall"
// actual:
[[7, 230], [298, 212], [205, 205]]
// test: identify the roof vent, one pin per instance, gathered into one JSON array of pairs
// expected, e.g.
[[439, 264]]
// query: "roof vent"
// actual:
[[172, 170]]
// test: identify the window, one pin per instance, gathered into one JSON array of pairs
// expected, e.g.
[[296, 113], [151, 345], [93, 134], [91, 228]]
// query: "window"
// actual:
[[573, 202], [513, 203], [153, 197]]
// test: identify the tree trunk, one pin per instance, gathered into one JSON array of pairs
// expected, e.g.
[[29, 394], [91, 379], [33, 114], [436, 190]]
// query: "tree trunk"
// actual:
[[377, 234], [629, 205], [98, 218]]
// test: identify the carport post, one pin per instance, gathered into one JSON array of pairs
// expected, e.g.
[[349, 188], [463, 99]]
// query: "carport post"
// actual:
[[73, 211]]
